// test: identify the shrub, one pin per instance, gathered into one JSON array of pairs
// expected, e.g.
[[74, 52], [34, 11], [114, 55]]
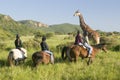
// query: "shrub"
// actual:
[[116, 48], [110, 41], [31, 44], [48, 35], [60, 46], [39, 34]]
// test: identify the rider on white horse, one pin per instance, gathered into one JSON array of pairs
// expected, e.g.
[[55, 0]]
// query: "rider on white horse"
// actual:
[[18, 45]]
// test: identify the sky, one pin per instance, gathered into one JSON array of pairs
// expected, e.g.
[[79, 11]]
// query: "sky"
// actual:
[[98, 14]]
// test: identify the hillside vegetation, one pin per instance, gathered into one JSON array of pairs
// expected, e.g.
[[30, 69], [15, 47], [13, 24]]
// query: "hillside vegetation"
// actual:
[[13, 27], [29, 27], [31, 23]]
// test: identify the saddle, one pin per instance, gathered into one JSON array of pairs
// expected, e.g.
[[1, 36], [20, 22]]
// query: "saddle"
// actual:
[[85, 49], [46, 53], [21, 50]]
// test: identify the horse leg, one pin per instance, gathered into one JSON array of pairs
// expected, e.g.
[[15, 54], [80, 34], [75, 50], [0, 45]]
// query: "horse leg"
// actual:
[[75, 59], [68, 54], [34, 64], [92, 59], [89, 61], [82, 58], [23, 60], [16, 62]]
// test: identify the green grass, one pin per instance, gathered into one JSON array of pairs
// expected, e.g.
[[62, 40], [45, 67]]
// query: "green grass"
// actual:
[[106, 66]]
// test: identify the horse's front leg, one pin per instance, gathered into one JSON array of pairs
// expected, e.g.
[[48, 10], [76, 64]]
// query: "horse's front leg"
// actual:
[[89, 61], [23, 60], [16, 62], [75, 59]]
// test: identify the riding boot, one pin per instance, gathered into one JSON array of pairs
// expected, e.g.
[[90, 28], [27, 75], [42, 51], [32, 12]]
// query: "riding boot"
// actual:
[[89, 55]]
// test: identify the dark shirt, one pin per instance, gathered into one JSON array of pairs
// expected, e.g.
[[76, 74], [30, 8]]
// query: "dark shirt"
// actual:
[[44, 46], [78, 39], [18, 43]]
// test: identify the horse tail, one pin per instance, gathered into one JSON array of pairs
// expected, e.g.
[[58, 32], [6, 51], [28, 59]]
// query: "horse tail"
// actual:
[[63, 55], [10, 58], [33, 59]]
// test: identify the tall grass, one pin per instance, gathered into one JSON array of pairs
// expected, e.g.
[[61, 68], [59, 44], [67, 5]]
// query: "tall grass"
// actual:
[[106, 66]]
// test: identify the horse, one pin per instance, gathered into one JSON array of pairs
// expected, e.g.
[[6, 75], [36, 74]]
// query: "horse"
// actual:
[[16, 55], [40, 57], [72, 53]]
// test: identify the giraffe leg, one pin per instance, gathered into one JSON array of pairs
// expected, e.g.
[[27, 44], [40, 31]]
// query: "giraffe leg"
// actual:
[[87, 39], [97, 39]]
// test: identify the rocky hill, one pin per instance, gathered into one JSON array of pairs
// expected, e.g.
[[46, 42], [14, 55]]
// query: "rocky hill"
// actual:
[[23, 27], [32, 23]]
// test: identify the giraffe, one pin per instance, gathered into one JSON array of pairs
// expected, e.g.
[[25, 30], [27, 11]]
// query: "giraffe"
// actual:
[[87, 31]]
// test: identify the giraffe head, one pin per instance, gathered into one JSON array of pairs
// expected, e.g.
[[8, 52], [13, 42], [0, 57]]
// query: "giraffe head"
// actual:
[[77, 13]]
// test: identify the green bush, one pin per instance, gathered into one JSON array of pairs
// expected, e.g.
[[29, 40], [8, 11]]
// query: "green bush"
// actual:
[[60, 46], [39, 34], [31, 44], [116, 48], [48, 35], [110, 41]]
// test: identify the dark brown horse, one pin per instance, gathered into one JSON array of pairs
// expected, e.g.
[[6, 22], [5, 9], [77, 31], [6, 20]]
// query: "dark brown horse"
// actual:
[[72, 53], [40, 57]]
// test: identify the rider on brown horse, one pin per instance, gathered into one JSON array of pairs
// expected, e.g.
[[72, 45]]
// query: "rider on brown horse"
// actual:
[[45, 48], [82, 42]]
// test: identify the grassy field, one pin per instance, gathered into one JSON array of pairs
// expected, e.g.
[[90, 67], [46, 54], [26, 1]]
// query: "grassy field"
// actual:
[[106, 66]]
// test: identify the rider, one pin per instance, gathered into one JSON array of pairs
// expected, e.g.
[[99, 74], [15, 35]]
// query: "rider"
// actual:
[[18, 44], [45, 48], [80, 41]]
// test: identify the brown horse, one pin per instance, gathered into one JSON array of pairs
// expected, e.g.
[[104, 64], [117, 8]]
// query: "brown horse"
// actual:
[[75, 51], [40, 57]]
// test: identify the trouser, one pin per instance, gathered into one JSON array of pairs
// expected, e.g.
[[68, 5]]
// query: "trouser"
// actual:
[[51, 56], [88, 47]]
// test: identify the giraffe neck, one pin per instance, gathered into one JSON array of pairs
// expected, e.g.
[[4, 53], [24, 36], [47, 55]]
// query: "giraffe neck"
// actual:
[[83, 25], [82, 22]]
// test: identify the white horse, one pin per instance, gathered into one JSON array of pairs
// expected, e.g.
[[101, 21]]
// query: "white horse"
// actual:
[[16, 55]]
